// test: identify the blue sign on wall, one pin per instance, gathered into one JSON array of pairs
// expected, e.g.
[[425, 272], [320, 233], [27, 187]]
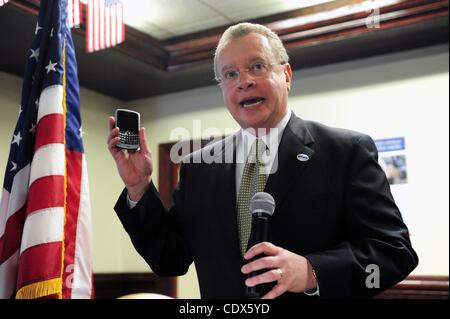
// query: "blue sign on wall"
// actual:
[[390, 144]]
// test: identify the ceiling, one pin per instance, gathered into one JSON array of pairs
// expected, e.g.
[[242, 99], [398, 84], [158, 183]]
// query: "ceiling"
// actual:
[[169, 47], [164, 19]]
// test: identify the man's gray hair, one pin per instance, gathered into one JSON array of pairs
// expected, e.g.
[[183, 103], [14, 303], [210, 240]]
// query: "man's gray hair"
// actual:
[[245, 28]]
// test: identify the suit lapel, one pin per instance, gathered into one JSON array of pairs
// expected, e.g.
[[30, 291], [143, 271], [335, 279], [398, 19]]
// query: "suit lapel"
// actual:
[[225, 173], [294, 154]]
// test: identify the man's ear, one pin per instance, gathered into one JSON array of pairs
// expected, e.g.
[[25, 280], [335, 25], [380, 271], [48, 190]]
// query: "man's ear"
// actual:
[[288, 75]]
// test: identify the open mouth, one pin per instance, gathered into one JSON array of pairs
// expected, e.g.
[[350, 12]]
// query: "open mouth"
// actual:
[[252, 102]]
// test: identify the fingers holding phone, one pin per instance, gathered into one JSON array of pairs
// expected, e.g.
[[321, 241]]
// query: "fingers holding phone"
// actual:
[[128, 146]]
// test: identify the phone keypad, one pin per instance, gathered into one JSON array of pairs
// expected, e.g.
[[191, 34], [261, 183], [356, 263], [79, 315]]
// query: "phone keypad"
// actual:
[[128, 140]]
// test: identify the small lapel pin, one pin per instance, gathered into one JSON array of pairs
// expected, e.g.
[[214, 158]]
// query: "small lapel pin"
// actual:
[[302, 157]]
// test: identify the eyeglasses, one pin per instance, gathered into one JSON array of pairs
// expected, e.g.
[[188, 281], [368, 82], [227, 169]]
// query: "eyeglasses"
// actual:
[[255, 69]]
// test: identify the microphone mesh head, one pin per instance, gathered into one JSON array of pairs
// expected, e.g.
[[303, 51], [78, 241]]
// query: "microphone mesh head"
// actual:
[[262, 203]]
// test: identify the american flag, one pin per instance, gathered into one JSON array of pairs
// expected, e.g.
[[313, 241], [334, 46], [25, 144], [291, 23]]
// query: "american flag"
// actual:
[[45, 222], [2, 2], [105, 27], [74, 13]]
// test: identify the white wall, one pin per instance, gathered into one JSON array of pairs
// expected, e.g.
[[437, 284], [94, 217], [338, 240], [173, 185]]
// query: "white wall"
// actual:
[[402, 94]]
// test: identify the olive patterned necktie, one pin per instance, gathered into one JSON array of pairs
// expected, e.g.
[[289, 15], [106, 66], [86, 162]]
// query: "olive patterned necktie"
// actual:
[[253, 181]]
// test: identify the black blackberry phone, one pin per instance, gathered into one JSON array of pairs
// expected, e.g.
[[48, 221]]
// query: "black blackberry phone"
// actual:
[[128, 123]]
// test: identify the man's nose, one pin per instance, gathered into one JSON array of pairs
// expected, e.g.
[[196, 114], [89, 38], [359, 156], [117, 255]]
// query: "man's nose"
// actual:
[[245, 81]]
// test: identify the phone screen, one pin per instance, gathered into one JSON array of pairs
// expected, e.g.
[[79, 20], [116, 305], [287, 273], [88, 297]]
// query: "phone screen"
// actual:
[[128, 121]]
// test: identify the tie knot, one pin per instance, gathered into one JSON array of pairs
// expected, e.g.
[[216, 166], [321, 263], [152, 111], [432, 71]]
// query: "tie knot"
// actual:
[[256, 152]]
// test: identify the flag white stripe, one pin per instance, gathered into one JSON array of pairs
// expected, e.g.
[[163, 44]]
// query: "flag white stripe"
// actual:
[[108, 27], [48, 160], [4, 202], [8, 275], [50, 101], [82, 275], [43, 226], [76, 12], [70, 13], [18, 196], [19, 190]]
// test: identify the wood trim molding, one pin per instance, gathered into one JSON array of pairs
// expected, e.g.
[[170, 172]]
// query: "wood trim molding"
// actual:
[[418, 287], [311, 26], [29, 6]]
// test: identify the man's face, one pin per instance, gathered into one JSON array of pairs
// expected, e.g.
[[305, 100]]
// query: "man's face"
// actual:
[[254, 101]]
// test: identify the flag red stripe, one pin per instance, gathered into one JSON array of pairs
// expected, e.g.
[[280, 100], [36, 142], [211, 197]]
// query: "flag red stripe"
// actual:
[[10, 241], [39, 197], [74, 170], [48, 267], [50, 129], [123, 27]]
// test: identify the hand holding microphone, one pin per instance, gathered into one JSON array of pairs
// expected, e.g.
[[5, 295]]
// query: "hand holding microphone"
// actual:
[[262, 206], [269, 263]]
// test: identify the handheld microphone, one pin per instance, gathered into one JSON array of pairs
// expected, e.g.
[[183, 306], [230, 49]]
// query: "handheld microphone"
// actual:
[[262, 206]]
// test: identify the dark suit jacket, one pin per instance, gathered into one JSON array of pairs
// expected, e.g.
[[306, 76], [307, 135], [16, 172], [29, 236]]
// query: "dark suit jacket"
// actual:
[[336, 209]]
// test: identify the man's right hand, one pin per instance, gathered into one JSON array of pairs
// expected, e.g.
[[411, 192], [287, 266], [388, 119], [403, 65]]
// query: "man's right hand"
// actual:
[[135, 168]]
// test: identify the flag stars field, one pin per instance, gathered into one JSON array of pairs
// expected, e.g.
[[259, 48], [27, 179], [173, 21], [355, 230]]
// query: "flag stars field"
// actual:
[[51, 66], [82, 133], [34, 54], [37, 28], [32, 130], [14, 166], [16, 139]]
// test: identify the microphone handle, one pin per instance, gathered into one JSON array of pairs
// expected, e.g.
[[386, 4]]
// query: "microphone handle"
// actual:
[[260, 227]]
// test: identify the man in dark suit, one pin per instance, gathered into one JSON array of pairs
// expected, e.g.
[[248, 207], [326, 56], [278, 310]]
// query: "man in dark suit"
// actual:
[[336, 231]]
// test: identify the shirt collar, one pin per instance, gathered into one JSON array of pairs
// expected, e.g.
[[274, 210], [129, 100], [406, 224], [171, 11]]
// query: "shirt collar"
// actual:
[[272, 139]]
